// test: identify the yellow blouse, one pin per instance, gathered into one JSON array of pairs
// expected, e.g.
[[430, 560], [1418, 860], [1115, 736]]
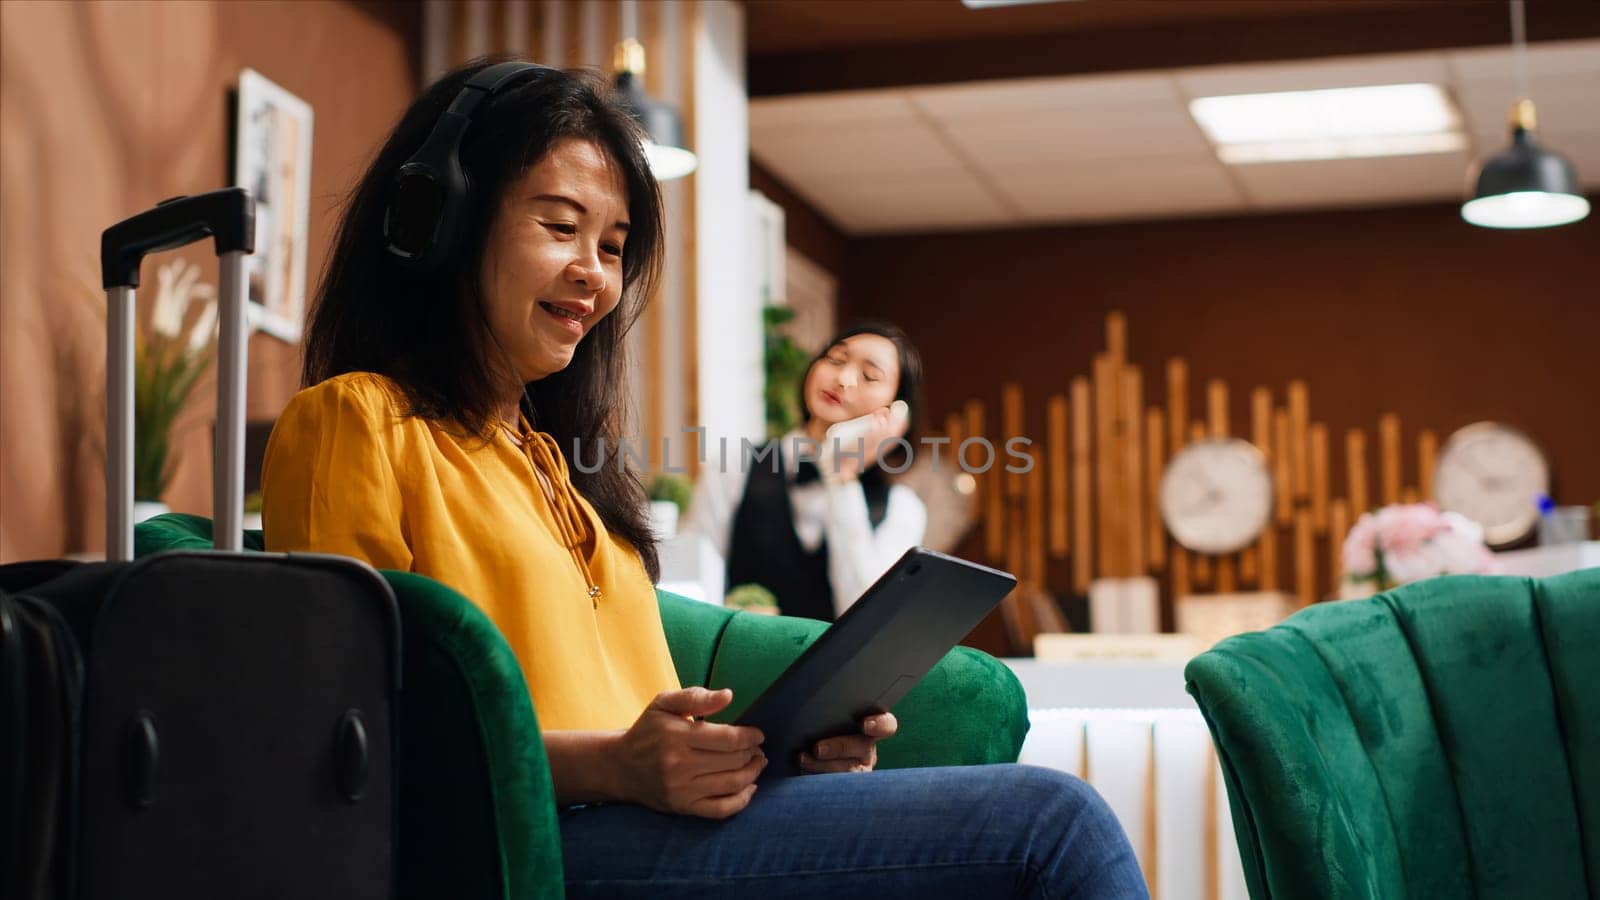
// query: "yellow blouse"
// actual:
[[347, 472]]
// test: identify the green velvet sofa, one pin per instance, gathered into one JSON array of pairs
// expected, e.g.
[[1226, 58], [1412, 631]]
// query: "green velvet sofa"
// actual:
[[1438, 741], [476, 808]]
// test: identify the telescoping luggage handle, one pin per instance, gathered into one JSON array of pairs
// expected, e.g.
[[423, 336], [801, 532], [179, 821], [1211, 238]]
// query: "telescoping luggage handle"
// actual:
[[228, 216]]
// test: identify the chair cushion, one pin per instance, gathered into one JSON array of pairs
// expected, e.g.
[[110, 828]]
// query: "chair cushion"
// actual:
[[182, 531], [968, 710]]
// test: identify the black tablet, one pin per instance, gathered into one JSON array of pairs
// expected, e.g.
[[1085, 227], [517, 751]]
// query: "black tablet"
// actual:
[[874, 654]]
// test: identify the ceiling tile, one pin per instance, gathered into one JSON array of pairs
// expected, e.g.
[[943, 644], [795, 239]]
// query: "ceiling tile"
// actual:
[[812, 111], [951, 199], [1118, 191], [1110, 133], [1044, 95], [1553, 60], [1350, 71], [825, 152], [1354, 182], [1566, 104]]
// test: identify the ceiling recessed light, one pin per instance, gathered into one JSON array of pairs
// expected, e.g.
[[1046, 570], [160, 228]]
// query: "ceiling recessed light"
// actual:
[[1337, 123]]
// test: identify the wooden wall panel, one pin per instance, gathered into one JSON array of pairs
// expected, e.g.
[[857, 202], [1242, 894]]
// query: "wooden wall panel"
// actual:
[[1319, 477], [1305, 560], [1103, 443], [1154, 460], [1132, 438], [1427, 456], [1217, 408], [1389, 457], [1057, 447], [105, 109], [1355, 454], [1283, 466], [1108, 467], [1338, 527], [1083, 539], [1177, 404], [1299, 444]]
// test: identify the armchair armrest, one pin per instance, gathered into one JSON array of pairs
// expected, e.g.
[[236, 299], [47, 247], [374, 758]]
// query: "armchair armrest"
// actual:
[[969, 710]]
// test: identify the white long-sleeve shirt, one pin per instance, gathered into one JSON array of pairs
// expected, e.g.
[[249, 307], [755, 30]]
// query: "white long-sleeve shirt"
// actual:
[[823, 511]]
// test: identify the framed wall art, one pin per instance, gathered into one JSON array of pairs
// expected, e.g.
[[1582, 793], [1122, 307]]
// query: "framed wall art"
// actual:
[[272, 160]]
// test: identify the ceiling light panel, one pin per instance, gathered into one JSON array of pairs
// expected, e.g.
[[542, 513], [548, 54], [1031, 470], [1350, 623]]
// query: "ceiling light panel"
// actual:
[[1336, 123]]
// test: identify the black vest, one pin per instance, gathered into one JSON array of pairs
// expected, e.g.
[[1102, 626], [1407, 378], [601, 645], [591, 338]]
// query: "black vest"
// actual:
[[764, 549]]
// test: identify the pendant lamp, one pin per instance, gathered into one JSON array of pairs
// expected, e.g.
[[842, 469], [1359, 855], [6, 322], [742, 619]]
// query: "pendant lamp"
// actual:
[[665, 146], [1524, 185]]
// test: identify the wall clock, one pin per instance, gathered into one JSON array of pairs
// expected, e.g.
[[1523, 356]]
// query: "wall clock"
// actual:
[[1216, 495], [1493, 474]]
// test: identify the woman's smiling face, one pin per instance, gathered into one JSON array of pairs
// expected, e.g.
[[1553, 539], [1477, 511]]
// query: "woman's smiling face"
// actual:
[[552, 266]]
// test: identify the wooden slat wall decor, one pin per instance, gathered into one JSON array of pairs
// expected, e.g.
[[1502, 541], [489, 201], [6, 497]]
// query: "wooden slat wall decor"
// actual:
[[1200, 564], [1282, 478], [1108, 470], [1011, 425], [1035, 532], [1338, 527], [1060, 475], [1319, 478], [1299, 450], [1093, 495], [1155, 534], [1427, 455], [1132, 439], [991, 489], [1082, 522], [1305, 562], [1217, 407], [1389, 457], [1177, 403], [1355, 454]]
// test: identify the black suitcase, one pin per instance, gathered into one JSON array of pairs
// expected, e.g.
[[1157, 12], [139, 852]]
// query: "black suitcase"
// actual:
[[195, 724]]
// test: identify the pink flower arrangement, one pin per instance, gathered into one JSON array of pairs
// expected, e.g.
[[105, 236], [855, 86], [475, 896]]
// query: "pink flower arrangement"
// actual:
[[1409, 542]]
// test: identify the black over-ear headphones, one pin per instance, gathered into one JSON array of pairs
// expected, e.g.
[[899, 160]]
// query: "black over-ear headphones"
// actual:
[[430, 191]]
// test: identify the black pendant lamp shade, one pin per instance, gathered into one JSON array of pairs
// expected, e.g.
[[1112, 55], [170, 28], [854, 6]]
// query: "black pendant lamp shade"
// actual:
[[1525, 185], [666, 147]]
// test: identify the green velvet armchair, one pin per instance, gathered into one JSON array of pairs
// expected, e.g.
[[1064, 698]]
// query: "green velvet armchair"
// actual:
[[476, 807], [1438, 741]]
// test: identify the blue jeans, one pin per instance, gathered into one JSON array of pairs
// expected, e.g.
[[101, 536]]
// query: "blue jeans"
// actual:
[[969, 832]]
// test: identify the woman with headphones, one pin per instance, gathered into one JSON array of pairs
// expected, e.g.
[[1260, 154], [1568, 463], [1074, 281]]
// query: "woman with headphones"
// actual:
[[468, 335]]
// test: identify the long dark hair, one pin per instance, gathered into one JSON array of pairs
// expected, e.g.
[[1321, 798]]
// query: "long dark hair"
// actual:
[[909, 388], [428, 332]]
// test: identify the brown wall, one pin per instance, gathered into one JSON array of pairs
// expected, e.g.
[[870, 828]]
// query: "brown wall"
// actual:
[[1408, 310], [106, 108]]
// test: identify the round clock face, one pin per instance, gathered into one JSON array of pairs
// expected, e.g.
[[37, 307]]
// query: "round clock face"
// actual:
[[1216, 495], [1493, 474]]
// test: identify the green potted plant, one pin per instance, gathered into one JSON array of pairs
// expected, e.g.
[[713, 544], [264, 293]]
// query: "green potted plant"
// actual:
[[169, 358], [669, 498], [786, 365], [752, 598]]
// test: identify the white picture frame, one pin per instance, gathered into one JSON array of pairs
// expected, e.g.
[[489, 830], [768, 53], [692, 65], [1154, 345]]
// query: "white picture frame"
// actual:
[[272, 160]]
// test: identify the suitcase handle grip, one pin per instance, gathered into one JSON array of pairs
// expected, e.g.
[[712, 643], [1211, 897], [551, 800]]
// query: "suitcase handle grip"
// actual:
[[228, 215]]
